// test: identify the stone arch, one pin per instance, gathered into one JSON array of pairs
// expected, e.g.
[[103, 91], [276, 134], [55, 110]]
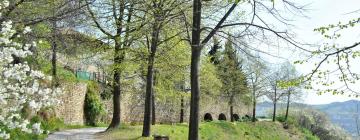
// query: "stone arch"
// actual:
[[208, 117], [246, 118], [222, 117], [236, 117]]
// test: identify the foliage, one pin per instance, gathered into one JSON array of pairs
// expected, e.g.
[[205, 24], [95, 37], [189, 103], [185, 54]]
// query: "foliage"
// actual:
[[64, 76], [20, 86], [309, 135], [317, 123], [335, 58], [211, 83], [231, 74], [93, 106], [40, 60], [171, 65]]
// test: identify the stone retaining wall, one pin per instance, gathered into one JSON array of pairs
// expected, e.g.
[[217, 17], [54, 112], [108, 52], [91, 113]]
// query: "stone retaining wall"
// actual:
[[71, 108]]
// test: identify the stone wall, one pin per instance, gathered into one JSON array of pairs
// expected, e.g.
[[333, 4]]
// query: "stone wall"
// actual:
[[71, 108], [215, 107], [132, 110]]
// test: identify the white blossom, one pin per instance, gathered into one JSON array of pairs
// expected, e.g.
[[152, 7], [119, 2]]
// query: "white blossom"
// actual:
[[27, 29], [4, 135], [5, 3], [33, 105], [20, 86], [36, 128]]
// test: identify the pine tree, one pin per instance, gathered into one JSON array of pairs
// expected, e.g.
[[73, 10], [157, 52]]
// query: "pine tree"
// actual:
[[230, 71]]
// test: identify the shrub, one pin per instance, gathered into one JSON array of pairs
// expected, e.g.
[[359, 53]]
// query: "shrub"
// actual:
[[106, 93], [48, 124], [280, 118], [93, 107], [246, 118]]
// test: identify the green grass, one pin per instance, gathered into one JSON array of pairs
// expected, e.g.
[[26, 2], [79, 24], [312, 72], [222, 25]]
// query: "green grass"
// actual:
[[214, 131], [64, 76], [308, 135]]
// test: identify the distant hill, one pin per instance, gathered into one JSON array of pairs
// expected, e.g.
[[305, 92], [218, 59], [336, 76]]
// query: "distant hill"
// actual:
[[342, 114]]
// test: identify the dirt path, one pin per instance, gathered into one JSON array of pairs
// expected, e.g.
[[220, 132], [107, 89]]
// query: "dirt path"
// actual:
[[76, 134]]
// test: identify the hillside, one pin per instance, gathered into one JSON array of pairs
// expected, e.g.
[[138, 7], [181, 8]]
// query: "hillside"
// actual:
[[342, 114], [216, 131]]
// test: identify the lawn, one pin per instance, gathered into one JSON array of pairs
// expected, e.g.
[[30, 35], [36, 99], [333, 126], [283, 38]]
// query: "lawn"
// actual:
[[213, 131]]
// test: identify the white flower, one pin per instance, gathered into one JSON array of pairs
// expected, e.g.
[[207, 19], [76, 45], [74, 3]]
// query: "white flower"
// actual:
[[6, 3], [36, 128], [33, 104], [4, 135], [37, 74], [27, 29], [19, 84]]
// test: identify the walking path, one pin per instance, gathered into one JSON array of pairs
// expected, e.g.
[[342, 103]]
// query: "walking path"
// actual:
[[76, 134]]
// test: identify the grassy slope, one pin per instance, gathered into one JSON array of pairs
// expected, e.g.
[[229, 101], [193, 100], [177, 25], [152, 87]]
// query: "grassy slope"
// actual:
[[215, 131]]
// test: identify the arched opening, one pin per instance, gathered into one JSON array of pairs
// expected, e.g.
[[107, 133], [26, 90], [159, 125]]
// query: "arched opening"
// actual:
[[236, 117], [246, 118], [208, 117], [222, 117]]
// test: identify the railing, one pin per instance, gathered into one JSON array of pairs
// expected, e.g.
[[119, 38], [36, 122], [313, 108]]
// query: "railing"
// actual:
[[94, 76]]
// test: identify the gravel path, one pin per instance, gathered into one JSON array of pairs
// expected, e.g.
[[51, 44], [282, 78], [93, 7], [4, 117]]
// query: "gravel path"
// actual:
[[76, 134]]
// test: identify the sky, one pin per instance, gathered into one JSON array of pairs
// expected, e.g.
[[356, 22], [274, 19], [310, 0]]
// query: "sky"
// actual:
[[320, 13]]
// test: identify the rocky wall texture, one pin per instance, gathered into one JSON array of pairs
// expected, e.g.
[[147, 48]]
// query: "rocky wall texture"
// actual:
[[169, 111], [71, 108]]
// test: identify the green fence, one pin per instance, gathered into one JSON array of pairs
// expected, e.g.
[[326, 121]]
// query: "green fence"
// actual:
[[83, 75], [95, 76]]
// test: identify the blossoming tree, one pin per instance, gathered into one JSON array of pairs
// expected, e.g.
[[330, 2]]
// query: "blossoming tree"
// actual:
[[20, 86]]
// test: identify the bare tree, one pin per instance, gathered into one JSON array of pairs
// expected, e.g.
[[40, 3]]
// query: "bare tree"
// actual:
[[290, 85], [257, 78], [275, 93]]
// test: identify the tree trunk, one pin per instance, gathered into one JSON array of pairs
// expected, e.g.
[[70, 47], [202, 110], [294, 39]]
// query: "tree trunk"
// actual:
[[254, 108], [148, 96], [195, 94], [231, 108], [55, 81], [149, 78], [153, 117], [231, 113], [274, 111], [118, 57], [287, 106], [53, 63], [196, 48], [194, 72], [182, 109]]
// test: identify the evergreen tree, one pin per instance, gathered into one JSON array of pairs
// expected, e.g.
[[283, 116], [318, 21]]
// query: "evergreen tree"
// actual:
[[229, 65]]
